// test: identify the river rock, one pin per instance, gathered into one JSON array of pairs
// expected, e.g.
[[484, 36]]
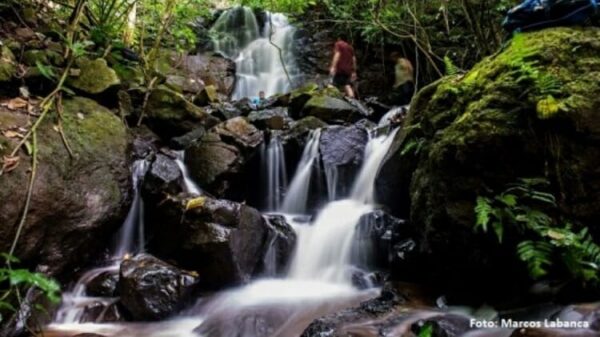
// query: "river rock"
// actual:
[[164, 176], [207, 95], [280, 245], [183, 142], [219, 160], [169, 114], [104, 285], [151, 289], [223, 240], [225, 110], [275, 118], [376, 234], [529, 111], [78, 201], [446, 325], [95, 76], [298, 98], [342, 149]]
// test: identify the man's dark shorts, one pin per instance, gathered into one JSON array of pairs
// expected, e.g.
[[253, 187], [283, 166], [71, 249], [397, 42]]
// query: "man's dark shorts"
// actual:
[[340, 80]]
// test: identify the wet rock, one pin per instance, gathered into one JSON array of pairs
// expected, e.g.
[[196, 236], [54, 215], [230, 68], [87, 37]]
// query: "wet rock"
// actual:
[[211, 69], [104, 285], [8, 65], [280, 245], [275, 119], [169, 114], [207, 96], [164, 176], [151, 289], [475, 134], [225, 110], [239, 132], [446, 325], [244, 105], [376, 234], [342, 150], [95, 76], [79, 200], [298, 98], [219, 160], [102, 313], [223, 240], [299, 129], [183, 142], [331, 109], [554, 333]]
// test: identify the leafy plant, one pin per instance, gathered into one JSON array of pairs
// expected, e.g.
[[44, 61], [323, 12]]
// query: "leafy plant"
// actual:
[[413, 145], [525, 207], [17, 278], [426, 331], [451, 68]]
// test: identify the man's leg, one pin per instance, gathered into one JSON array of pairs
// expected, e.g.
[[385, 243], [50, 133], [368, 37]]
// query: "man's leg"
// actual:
[[349, 91]]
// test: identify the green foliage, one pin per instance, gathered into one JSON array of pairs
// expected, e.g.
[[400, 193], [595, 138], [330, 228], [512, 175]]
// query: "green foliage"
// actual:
[[426, 331], [414, 146], [108, 19], [17, 278], [286, 6], [451, 68], [525, 207]]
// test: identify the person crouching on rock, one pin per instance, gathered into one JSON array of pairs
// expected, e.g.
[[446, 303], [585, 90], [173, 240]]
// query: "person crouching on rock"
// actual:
[[343, 67], [404, 83]]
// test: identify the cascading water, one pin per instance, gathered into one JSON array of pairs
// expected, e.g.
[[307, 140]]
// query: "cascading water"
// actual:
[[264, 58], [276, 175], [318, 282], [130, 239], [296, 197], [188, 183]]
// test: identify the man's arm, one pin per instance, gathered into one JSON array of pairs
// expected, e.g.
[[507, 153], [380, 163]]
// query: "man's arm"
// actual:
[[336, 58]]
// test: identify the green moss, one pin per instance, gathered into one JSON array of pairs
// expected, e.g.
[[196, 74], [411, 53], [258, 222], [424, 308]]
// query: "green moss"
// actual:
[[95, 76], [45, 57], [8, 66]]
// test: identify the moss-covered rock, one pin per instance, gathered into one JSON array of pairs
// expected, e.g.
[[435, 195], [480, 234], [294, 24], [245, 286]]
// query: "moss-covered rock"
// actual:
[[77, 201], [531, 110], [95, 76], [42, 56], [8, 66], [169, 114]]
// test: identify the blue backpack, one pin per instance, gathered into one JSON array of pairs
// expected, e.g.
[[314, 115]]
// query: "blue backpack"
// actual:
[[538, 14]]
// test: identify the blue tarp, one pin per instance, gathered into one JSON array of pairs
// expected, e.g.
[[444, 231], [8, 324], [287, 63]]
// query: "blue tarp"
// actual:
[[537, 14]]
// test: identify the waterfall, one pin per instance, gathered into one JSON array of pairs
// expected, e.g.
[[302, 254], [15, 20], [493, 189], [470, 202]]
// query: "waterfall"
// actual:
[[324, 250], [75, 302], [234, 30], [332, 178], [376, 149], [189, 185], [264, 59], [296, 197], [276, 173], [126, 242]]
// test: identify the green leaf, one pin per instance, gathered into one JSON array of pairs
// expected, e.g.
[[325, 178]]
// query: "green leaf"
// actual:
[[46, 71], [509, 200], [483, 209], [426, 331], [9, 258]]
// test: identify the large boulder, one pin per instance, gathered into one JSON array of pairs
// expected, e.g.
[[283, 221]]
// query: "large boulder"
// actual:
[[219, 160], [77, 201], [532, 110], [331, 109], [224, 241], [169, 114], [342, 150], [95, 76], [151, 289]]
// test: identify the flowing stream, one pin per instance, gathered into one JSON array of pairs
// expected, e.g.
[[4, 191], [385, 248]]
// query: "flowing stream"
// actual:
[[318, 282], [263, 55]]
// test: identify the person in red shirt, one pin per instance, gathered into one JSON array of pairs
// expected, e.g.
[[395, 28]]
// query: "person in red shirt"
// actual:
[[343, 67]]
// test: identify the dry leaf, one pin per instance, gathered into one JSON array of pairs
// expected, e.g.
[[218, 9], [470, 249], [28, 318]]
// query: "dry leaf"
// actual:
[[80, 115], [10, 163], [16, 103], [12, 134], [195, 203]]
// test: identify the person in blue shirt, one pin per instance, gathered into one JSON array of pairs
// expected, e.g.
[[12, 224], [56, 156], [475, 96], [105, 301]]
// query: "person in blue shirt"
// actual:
[[257, 101]]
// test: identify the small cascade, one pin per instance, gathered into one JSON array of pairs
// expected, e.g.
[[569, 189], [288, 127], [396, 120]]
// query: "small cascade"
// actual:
[[332, 179], [389, 116], [324, 250], [375, 151], [131, 235], [130, 239], [276, 176], [296, 197], [263, 57], [188, 184], [234, 30]]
